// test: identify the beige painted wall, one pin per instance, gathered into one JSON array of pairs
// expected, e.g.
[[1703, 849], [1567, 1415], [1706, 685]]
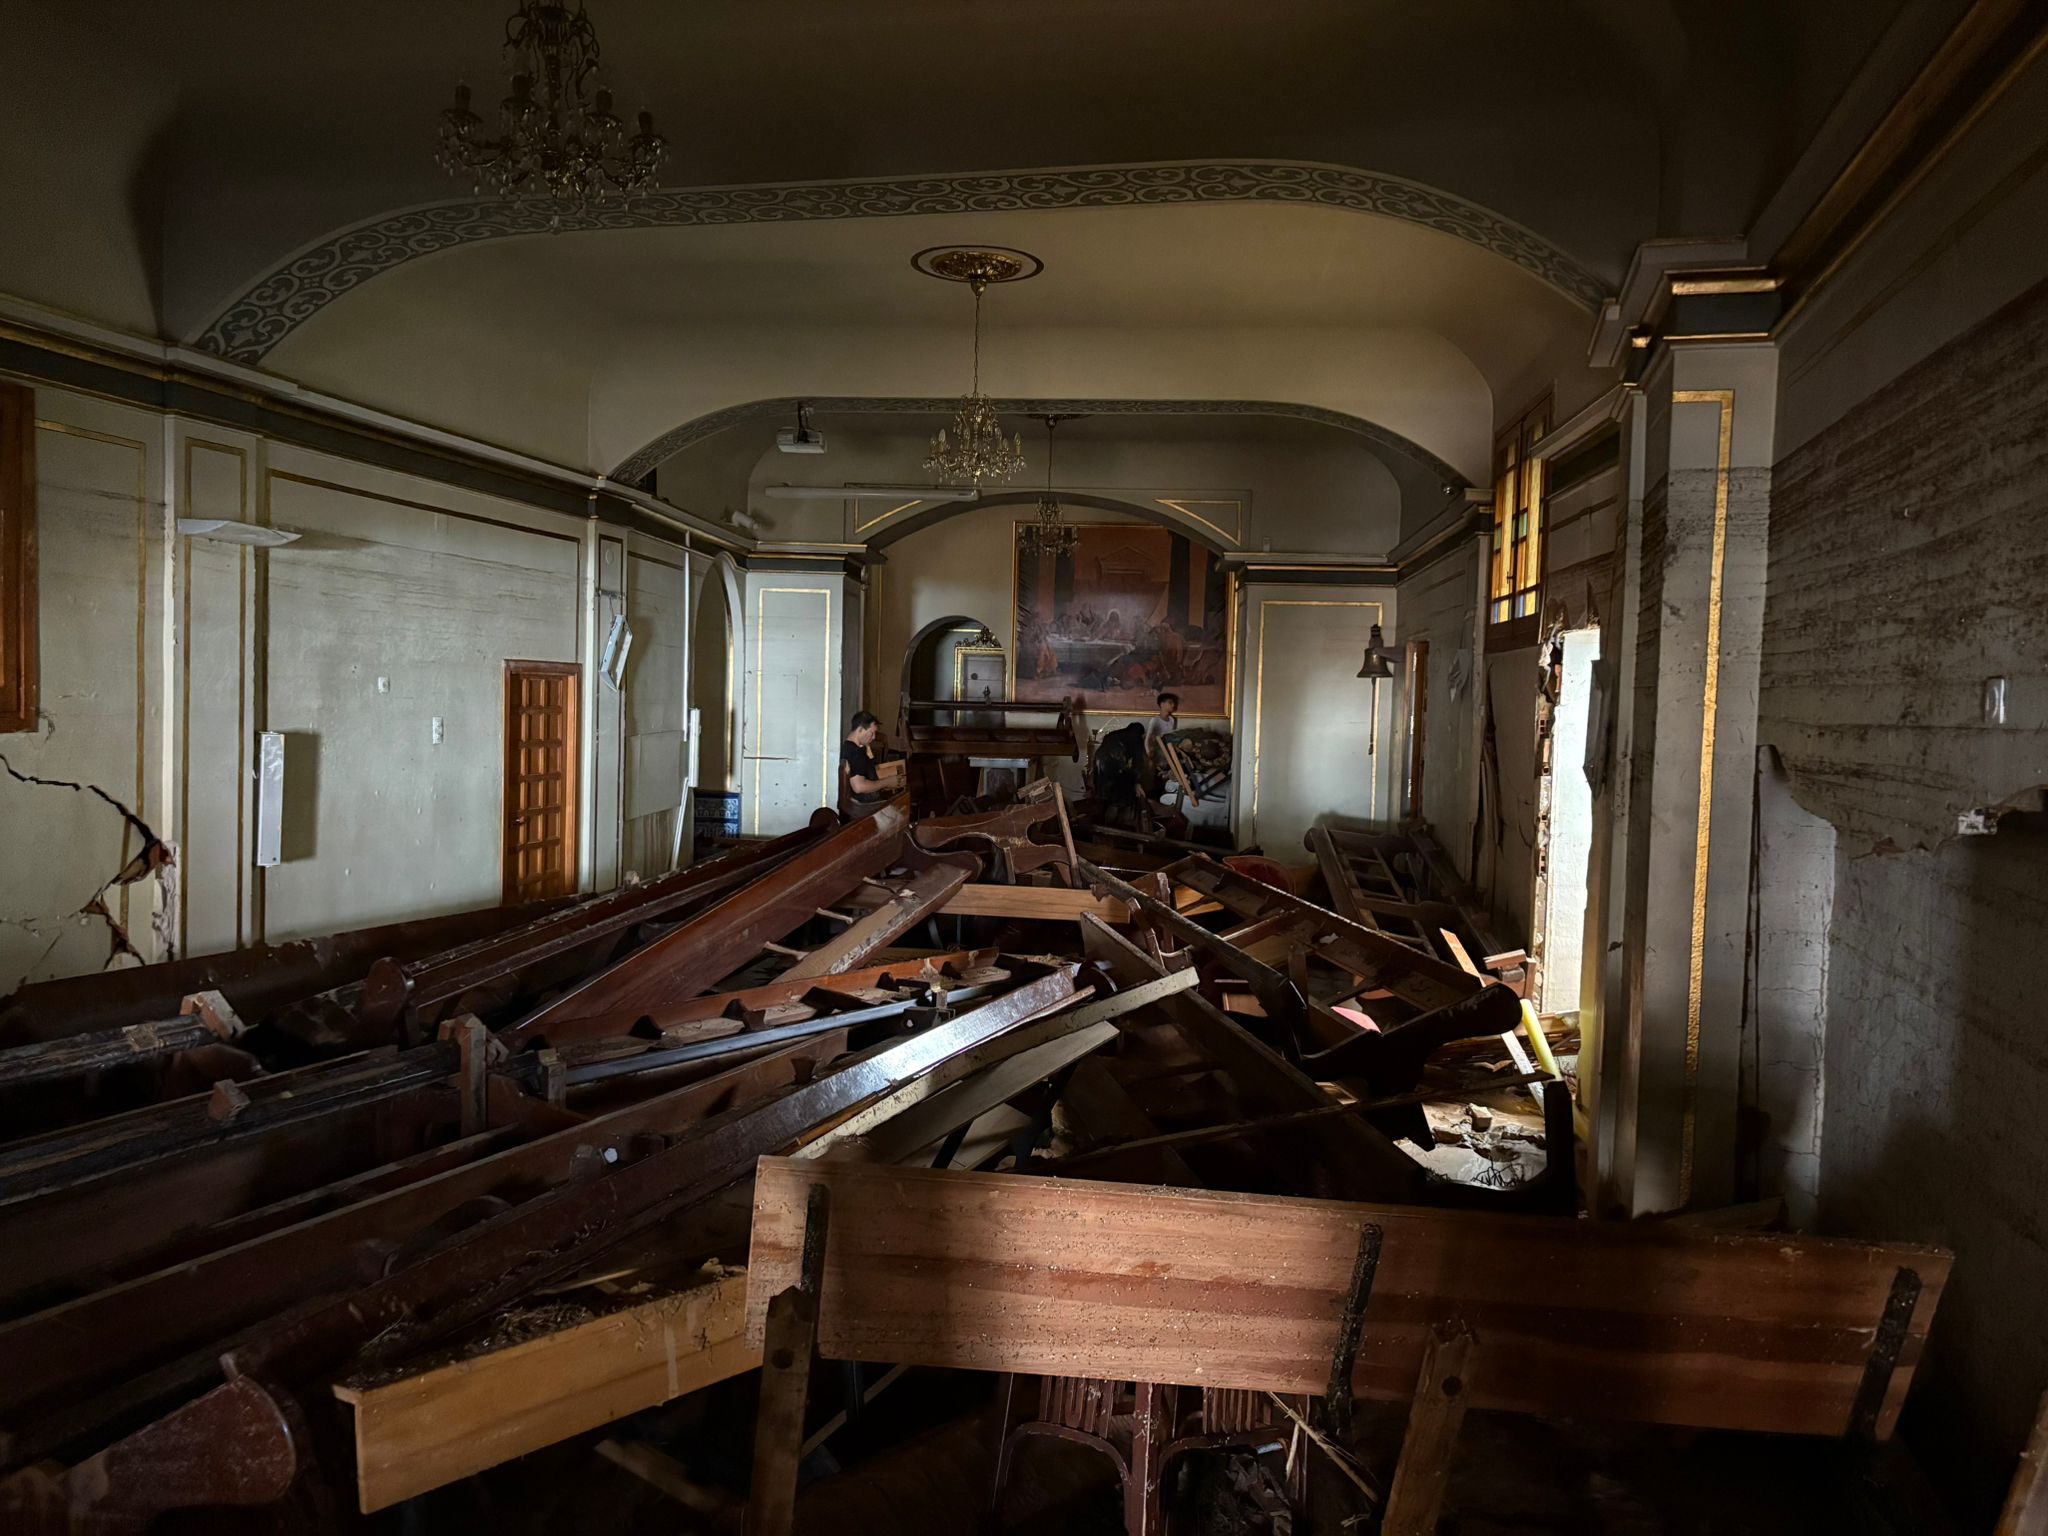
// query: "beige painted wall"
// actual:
[[101, 565], [1311, 743], [163, 656], [432, 590]]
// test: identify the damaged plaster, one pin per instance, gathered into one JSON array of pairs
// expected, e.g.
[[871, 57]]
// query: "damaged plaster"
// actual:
[[155, 859]]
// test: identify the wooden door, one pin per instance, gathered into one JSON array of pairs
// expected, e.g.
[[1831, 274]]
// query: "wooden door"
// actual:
[[541, 743]]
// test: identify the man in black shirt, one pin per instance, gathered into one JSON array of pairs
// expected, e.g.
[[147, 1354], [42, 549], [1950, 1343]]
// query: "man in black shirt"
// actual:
[[859, 762]]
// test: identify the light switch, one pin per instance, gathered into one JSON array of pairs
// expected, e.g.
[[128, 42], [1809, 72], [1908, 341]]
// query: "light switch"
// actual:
[[383, 685]]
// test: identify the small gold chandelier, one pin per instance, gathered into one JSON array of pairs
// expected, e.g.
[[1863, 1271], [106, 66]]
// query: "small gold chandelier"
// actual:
[[1051, 534], [974, 448]]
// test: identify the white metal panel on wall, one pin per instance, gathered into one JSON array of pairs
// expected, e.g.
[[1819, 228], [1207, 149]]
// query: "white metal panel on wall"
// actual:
[[788, 771]]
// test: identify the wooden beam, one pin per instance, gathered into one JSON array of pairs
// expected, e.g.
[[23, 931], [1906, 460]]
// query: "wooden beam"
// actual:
[[1049, 902], [1639, 1321], [1434, 1420], [433, 1427], [915, 899]]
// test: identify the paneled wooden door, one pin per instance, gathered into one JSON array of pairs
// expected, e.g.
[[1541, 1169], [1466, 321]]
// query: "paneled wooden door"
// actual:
[[541, 744]]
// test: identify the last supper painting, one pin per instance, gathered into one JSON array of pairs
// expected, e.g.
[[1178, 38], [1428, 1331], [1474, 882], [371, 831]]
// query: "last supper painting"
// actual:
[[1132, 611]]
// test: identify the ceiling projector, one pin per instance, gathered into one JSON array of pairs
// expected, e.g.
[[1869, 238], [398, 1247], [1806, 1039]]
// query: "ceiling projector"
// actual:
[[803, 437]]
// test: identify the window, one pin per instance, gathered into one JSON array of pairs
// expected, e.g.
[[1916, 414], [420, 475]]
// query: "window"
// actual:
[[1518, 519], [17, 559]]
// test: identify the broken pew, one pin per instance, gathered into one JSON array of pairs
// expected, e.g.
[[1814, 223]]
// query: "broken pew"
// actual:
[[1636, 1321]]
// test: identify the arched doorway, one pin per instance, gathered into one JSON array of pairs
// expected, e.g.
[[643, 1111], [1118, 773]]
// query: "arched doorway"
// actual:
[[957, 657]]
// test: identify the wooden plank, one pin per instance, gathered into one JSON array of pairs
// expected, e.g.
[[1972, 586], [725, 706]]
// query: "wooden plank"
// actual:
[[914, 900], [424, 1430], [1050, 902], [1434, 1420], [789, 1345], [1054, 1277]]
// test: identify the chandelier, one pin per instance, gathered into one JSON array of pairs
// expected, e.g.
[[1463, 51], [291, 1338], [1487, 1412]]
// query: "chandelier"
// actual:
[[1050, 534], [558, 138], [974, 448]]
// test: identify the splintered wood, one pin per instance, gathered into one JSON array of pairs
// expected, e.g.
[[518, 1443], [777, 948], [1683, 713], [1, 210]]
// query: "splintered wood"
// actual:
[[1057, 1277]]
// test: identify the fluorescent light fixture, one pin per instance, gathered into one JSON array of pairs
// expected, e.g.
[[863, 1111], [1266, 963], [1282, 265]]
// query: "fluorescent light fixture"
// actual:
[[227, 531]]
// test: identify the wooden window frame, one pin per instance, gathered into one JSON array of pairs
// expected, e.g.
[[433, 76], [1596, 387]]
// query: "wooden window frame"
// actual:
[[1514, 584], [18, 626]]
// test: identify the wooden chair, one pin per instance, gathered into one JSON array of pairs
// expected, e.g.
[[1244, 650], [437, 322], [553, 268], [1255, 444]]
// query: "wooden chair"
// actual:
[[1142, 1427]]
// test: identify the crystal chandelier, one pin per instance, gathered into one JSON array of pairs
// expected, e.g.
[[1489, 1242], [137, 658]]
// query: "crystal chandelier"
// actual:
[[1051, 534], [558, 138], [974, 448]]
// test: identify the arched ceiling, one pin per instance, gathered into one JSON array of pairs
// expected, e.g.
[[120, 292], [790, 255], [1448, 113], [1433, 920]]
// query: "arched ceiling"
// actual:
[[218, 138], [1412, 328]]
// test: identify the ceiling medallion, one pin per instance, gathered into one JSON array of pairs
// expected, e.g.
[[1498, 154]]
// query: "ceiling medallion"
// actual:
[[974, 448], [558, 139], [1051, 534]]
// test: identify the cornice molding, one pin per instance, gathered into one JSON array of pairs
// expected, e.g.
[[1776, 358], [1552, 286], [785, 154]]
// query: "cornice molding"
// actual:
[[303, 284]]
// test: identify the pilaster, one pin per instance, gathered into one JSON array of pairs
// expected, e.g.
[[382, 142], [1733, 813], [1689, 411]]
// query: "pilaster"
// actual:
[[1708, 410]]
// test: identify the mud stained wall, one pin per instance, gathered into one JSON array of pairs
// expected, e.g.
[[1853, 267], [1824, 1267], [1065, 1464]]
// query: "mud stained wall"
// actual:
[[1908, 565], [1936, 1069]]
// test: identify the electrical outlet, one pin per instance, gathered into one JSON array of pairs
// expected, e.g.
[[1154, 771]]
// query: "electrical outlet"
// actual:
[[437, 730], [383, 685]]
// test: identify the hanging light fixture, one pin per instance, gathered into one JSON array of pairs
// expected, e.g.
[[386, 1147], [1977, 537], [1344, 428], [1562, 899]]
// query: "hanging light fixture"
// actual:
[[558, 138], [1051, 534], [974, 448]]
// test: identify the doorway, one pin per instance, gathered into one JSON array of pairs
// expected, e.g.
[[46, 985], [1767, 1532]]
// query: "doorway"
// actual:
[[541, 744], [956, 657], [1565, 823]]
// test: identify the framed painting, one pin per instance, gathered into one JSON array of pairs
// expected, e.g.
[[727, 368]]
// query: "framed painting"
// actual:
[[1133, 611]]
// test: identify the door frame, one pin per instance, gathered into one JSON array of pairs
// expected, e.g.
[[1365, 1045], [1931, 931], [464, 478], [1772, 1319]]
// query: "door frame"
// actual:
[[572, 789]]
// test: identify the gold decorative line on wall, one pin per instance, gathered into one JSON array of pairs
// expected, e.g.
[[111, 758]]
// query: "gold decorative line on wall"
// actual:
[[826, 786], [1259, 691], [141, 619], [1723, 400], [1186, 508], [877, 521]]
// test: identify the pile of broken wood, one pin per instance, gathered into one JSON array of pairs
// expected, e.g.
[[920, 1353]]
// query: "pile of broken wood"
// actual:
[[447, 1193]]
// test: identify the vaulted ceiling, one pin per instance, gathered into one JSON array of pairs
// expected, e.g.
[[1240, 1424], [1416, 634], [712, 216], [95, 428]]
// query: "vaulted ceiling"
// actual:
[[1395, 210]]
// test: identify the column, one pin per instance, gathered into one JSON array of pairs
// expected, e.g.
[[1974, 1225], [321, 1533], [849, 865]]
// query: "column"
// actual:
[[1708, 410]]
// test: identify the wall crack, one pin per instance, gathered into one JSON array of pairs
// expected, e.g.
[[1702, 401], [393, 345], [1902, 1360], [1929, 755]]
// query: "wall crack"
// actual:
[[156, 858]]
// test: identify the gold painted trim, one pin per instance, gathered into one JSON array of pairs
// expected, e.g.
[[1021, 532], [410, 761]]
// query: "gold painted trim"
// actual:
[[1259, 693], [1186, 505], [860, 527], [142, 504], [826, 786], [1723, 400], [962, 652], [1758, 282]]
